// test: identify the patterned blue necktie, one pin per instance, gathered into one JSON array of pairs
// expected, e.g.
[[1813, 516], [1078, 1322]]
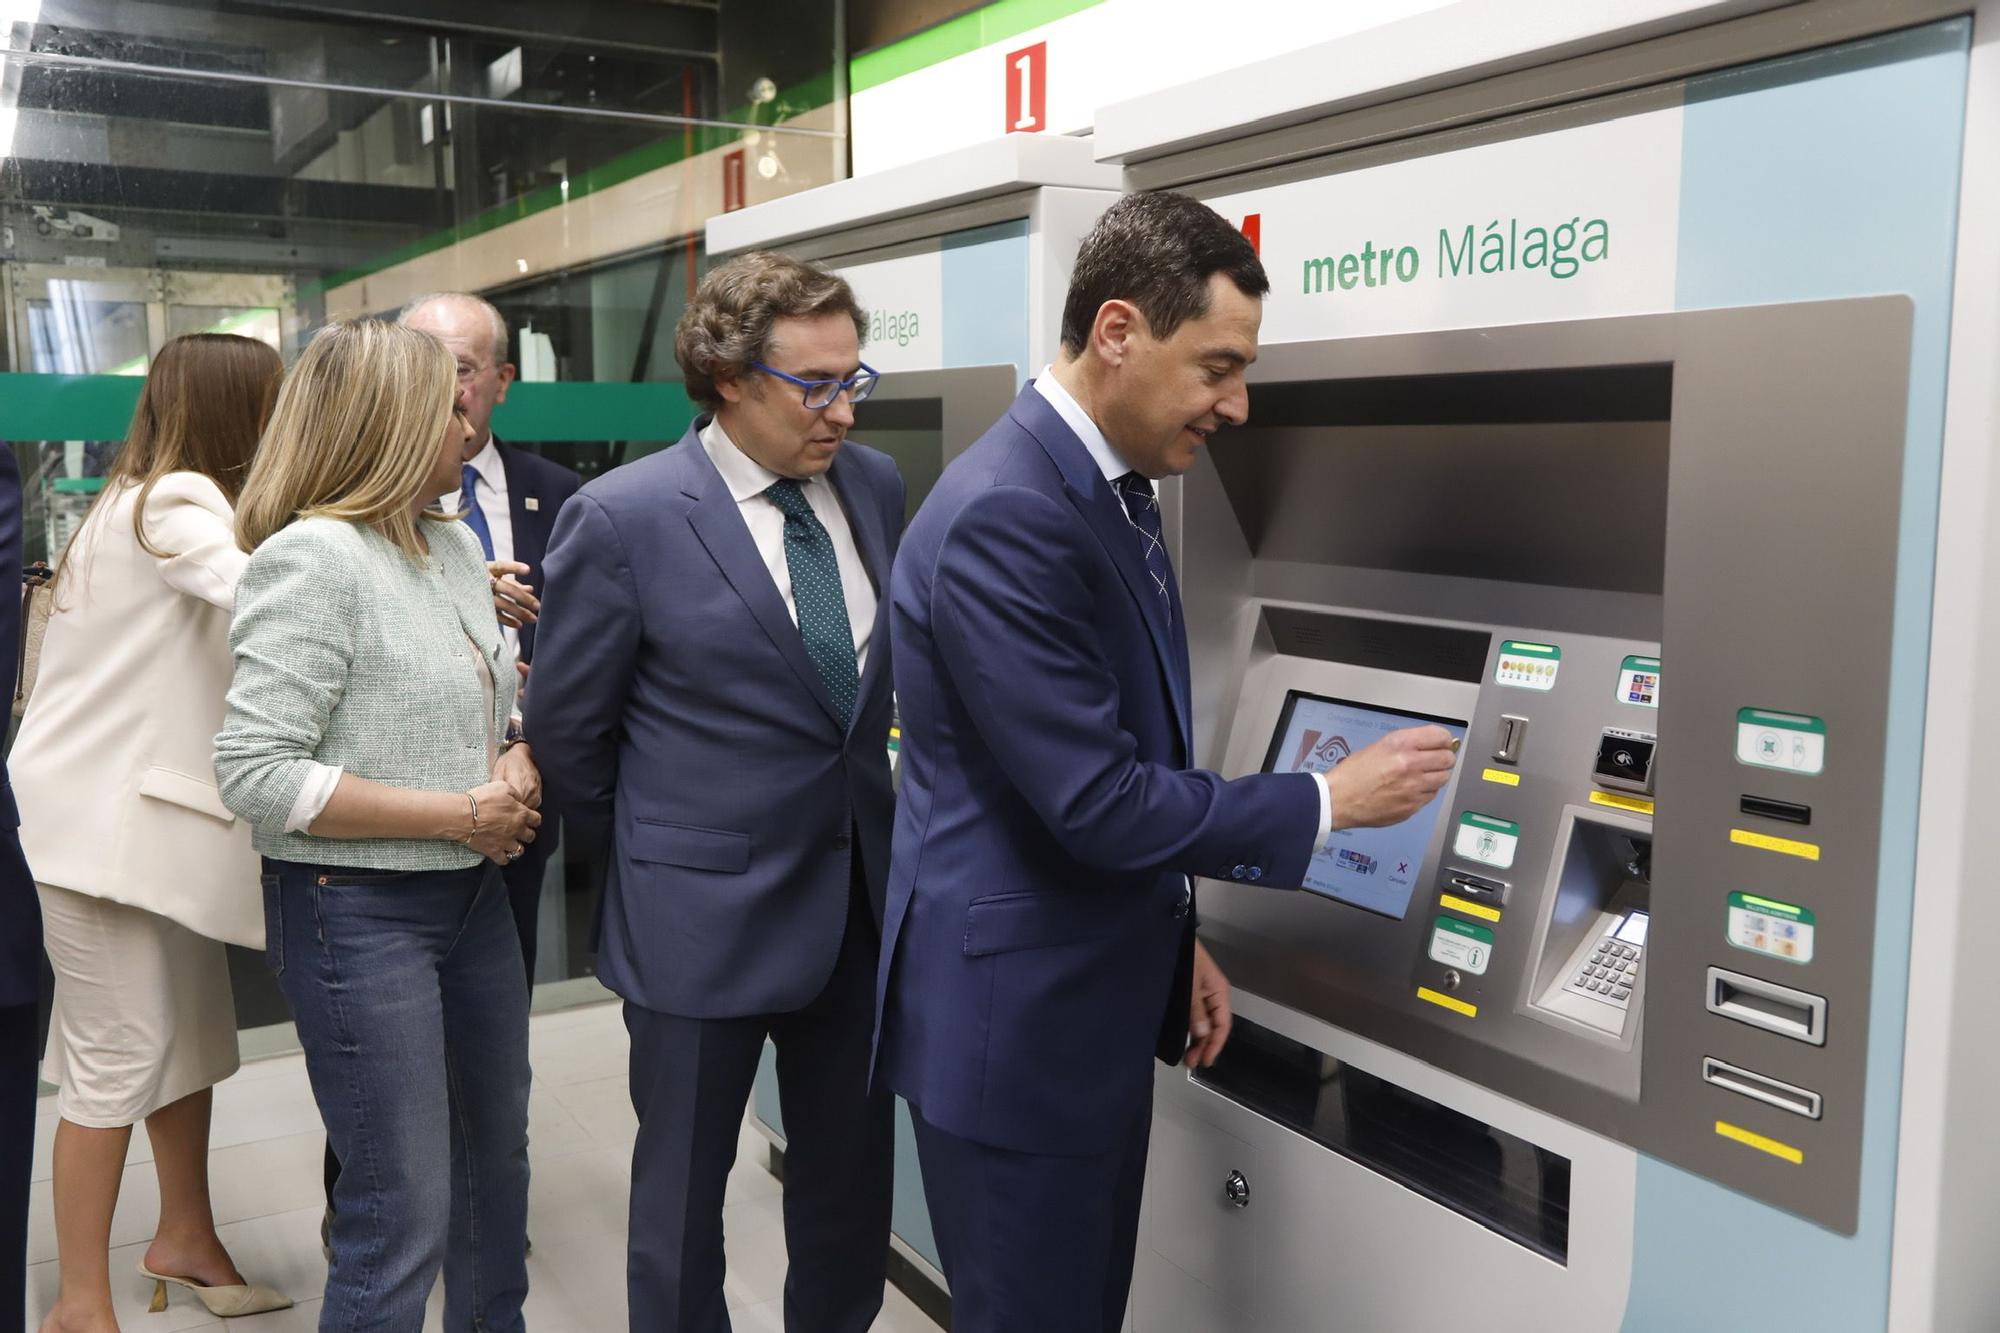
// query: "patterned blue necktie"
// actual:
[[1142, 510], [816, 591], [475, 517]]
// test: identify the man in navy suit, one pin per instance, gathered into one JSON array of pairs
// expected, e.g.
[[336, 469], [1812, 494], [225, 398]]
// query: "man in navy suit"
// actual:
[[20, 949], [711, 694], [510, 498], [1040, 942]]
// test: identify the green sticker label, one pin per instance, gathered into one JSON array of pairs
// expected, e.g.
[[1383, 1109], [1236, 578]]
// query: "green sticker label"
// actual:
[[1462, 945], [1639, 682], [1528, 666], [1788, 742], [1772, 928], [1487, 840]]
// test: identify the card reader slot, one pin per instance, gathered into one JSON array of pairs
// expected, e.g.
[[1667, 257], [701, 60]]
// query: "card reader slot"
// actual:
[[1797, 1014], [1762, 1087], [1765, 807], [1476, 887]]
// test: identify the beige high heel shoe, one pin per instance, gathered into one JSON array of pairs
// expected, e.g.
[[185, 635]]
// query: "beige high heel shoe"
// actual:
[[222, 1302]]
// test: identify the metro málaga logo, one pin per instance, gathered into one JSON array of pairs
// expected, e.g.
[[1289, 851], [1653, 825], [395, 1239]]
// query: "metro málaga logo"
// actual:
[[1321, 749]]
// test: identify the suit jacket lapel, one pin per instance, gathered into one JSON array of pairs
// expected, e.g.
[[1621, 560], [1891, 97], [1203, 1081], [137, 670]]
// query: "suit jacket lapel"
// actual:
[[718, 524], [475, 617], [1182, 686], [864, 520], [530, 540], [1099, 503]]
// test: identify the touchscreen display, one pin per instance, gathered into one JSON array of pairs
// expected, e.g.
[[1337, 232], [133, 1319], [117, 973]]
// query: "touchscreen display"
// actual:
[[1374, 868]]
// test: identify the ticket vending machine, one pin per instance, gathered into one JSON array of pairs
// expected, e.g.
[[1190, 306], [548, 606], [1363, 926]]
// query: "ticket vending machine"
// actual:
[[962, 265], [1618, 1031]]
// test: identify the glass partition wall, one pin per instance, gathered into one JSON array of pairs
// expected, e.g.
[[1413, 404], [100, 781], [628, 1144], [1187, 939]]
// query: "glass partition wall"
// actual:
[[261, 166]]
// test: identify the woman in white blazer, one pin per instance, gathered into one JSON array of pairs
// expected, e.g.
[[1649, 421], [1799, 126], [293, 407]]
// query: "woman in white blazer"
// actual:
[[143, 873]]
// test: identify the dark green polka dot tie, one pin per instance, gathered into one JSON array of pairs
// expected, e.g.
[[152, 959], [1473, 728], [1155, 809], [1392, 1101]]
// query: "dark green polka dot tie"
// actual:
[[816, 592]]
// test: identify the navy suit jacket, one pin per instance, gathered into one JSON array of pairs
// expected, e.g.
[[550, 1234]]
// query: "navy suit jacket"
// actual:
[[1037, 901], [548, 484], [673, 705], [20, 911]]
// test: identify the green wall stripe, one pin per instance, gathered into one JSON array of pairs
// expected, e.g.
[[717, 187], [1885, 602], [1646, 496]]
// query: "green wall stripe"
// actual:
[[99, 407], [67, 407], [954, 37], [663, 152], [535, 413]]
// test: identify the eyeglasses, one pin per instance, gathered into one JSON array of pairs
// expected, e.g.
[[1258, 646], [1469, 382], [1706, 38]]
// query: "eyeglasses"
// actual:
[[819, 394]]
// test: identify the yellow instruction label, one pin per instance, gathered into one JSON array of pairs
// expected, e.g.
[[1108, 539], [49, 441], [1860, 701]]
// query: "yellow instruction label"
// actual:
[[1765, 842], [1444, 1001], [1752, 1139]]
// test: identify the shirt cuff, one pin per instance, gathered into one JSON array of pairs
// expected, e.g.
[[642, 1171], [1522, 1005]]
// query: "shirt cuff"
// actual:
[[1325, 811], [320, 781]]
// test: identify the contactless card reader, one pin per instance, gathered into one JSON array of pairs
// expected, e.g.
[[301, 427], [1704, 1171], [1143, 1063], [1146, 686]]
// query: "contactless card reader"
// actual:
[[1625, 760]]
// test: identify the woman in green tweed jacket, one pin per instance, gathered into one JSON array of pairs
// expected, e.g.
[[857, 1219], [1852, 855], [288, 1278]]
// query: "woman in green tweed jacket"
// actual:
[[363, 747]]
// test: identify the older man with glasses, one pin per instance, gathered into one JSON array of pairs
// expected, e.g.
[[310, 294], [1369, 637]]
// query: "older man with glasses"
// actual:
[[711, 693], [510, 498]]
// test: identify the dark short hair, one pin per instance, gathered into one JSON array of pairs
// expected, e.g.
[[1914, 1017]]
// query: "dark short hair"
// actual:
[[1157, 250], [728, 324]]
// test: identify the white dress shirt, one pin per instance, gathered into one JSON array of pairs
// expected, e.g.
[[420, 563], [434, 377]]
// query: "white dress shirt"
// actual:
[[1113, 467], [747, 480]]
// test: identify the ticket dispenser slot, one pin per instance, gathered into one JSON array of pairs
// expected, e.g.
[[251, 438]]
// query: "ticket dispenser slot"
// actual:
[[1784, 1010], [1590, 965]]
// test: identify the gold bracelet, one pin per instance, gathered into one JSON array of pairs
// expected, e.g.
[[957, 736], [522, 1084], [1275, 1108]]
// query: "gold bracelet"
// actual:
[[474, 802]]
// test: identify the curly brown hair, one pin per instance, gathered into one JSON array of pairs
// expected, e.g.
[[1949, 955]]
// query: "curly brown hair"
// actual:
[[728, 324]]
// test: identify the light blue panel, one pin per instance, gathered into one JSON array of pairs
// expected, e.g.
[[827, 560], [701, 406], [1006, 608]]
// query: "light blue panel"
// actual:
[[986, 298], [912, 1217], [1828, 175]]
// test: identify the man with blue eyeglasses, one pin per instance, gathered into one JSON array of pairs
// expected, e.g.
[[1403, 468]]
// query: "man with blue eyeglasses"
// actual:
[[711, 694]]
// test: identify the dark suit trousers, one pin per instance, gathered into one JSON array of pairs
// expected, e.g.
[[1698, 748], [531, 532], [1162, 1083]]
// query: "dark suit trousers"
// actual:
[[1034, 1243], [19, 1029], [691, 1079]]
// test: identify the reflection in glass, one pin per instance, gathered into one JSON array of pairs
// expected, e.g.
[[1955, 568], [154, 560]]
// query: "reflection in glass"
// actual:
[[76, 333], [201, 166], [261, 323]]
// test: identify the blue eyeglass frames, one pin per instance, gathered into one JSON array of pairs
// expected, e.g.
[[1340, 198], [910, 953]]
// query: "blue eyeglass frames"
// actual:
[[819, 394]]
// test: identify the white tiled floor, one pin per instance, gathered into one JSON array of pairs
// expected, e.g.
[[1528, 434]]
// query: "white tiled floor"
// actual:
[[265, 1176]]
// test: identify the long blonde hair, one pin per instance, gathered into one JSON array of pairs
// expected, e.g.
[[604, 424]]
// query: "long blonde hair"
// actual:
[[354, 435], [206, 399]]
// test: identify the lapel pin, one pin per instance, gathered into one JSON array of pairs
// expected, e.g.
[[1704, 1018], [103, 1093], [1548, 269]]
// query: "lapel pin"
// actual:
[[533, 505]]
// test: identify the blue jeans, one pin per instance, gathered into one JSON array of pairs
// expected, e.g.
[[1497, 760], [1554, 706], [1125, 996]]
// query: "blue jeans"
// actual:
[[413, 1011]]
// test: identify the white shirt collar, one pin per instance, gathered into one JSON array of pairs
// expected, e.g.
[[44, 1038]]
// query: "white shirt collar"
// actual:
[[487, 464], [743, 475], [1108, 462]]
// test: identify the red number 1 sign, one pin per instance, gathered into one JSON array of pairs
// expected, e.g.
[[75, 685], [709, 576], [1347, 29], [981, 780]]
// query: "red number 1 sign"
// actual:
[[1028, 88]]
